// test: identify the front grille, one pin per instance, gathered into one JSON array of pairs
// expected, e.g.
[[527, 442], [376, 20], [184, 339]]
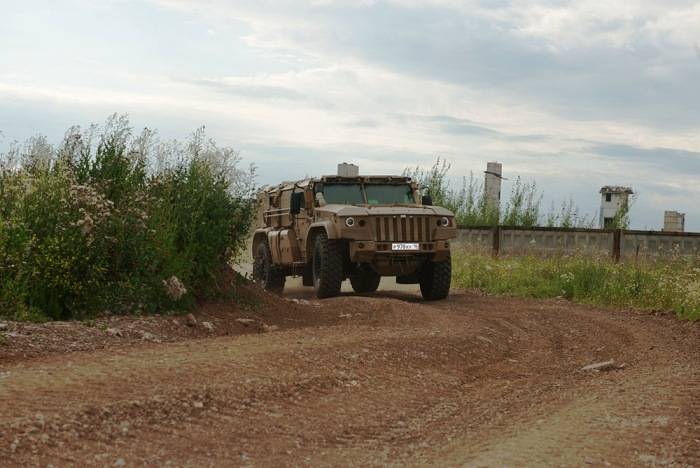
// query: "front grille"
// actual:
[[403, 228]]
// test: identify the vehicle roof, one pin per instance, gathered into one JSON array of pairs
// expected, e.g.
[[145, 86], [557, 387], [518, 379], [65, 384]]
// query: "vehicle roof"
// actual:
[[287, 185]]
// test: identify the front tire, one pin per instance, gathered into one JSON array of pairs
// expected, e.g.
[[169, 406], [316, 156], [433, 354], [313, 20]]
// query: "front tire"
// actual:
[[265, 273], [327, 266], [435, 279], [366, 281]]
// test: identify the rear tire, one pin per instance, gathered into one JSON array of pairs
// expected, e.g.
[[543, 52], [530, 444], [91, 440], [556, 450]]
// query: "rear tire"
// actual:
[[366, 281], [265, 273], [327, 266], [307, 276], [435, 280]]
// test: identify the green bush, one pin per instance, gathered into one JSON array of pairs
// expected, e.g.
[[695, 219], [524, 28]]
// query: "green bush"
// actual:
[[664, 284], [114, 222]]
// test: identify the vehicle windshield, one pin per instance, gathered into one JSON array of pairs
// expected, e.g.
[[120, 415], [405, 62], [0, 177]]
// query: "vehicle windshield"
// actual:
[[386, 194], [343, 194], [374, 194]]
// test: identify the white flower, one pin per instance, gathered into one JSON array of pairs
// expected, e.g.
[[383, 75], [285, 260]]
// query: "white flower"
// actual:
[[174, 288], [567, 277]]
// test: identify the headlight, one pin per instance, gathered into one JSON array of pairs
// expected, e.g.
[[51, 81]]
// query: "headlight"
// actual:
[[445, 221], [350, 222]]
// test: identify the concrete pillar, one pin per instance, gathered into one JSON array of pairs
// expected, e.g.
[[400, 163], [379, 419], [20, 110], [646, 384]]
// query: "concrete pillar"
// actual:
[[492, 186]]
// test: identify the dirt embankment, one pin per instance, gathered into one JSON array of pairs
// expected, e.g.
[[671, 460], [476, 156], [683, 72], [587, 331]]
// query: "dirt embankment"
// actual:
[[353, 380]]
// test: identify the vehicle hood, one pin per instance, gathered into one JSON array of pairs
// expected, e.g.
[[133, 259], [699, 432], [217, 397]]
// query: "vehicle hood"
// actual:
[[385, 210]]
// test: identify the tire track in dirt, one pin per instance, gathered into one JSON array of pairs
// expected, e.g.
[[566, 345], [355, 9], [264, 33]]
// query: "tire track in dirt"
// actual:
[[476, 380]]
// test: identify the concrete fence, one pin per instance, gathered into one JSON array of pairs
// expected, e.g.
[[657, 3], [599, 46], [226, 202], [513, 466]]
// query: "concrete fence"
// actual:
[[619, 244]]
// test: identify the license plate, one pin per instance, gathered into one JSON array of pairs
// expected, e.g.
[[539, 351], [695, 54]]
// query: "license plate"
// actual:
[[402, 246]]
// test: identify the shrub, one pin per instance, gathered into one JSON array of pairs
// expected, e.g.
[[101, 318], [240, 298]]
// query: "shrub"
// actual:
[[103, 221]]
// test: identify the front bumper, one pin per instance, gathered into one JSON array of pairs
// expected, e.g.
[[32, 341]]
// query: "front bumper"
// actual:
[[362, 251]]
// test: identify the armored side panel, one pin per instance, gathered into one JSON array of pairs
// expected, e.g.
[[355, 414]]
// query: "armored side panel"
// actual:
[[273, 238], [288, 245]]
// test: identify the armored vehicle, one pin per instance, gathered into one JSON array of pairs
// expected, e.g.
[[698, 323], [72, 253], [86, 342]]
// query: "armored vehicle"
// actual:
[[347, 226]]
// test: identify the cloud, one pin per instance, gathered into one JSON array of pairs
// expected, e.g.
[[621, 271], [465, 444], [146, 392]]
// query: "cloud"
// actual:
[[461, 126], [587, 61], [667, 160], [249, 90], [590, 60]]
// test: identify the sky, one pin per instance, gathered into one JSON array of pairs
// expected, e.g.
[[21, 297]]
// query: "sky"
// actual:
[[571, 94]]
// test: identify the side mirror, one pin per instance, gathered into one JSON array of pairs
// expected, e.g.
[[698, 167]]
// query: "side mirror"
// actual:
[[296, 202], [427, 200]]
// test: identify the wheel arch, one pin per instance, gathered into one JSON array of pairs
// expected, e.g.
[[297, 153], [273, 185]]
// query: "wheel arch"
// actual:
[[258, 237], [327, 227]]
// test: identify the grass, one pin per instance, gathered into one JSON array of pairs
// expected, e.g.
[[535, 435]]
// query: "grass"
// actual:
[[664, 284]]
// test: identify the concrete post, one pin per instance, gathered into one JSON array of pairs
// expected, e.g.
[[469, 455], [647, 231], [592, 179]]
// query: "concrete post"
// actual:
[[492, 186], [496, 240], [617, 245]]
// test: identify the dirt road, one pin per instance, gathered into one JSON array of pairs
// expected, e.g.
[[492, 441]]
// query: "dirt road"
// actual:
[[384, 380]]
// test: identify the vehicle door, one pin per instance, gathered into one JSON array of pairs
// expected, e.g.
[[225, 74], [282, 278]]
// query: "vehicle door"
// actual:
[[303, 220]]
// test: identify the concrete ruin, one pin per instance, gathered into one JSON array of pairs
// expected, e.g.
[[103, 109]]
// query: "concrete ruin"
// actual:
[[674, 221], [614, 200]]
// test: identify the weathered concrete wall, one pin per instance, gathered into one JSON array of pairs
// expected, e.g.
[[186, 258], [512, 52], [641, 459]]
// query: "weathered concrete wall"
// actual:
[[476, 238], [548, 241], [654, 243]]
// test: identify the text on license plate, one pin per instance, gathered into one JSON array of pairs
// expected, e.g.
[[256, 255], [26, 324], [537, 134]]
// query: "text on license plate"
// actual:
[[405, 246]]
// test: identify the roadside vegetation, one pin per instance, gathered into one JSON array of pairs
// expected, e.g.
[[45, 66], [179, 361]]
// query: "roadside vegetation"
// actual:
[[522, 208], [668, 284], [116, 221]]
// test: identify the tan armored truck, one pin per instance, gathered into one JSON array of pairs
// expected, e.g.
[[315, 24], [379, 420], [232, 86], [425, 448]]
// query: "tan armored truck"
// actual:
[[342, 226]]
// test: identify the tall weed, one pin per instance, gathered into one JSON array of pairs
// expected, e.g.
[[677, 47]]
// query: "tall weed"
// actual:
[[469, 204]]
